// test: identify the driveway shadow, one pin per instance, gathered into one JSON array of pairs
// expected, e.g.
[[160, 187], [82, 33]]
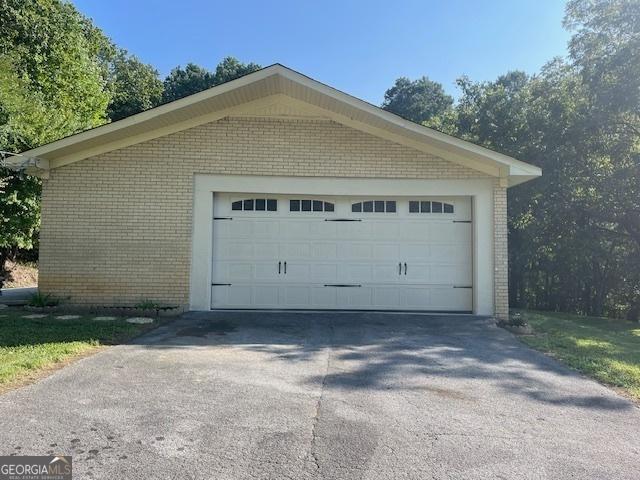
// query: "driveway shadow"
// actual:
[[374, 349]]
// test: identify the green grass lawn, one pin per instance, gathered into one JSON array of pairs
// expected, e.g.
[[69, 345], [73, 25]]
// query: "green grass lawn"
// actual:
[[29, 346], [605, 349]]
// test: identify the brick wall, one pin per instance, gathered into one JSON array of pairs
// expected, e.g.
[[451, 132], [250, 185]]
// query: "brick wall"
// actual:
[[501, 258], [116, 228]]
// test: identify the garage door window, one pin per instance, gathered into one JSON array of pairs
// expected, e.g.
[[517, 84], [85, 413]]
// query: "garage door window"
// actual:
[[430, 207], [374, 206], [255, 204], [310, 206]]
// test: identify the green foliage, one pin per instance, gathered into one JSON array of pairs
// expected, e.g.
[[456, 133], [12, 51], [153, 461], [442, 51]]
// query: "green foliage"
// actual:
[[183, 82], [148, 305], [60, 55], [193, 78], [135, 86], [53, 73], [230, 69], [574, 234], [40, 299], [419, 100]]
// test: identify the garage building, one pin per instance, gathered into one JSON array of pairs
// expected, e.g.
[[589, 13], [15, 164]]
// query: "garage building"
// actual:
[[275, 191]]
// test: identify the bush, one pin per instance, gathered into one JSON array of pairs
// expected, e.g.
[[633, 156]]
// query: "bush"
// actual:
[[148, 305], [515, 320], [43, 300]]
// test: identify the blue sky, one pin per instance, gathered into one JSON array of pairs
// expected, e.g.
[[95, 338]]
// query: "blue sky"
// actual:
[[359, 47]]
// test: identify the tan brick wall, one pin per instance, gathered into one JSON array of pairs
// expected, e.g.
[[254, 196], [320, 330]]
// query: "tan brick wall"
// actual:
[[501, 258], [116, 228]]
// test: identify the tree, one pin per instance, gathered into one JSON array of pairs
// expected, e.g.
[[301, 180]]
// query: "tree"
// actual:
[[183, 82], [134, 86], [193, 78], [419, 100], [61, 54], [605, 50], [573, 233], [230, 69], [24, 119], [53, 77]]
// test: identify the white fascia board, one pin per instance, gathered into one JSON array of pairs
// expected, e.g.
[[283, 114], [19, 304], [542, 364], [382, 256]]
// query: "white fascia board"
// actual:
[[460, 151]]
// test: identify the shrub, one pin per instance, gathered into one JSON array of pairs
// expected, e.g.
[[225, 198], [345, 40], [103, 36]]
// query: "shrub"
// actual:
[[43, 300], [148, 305]]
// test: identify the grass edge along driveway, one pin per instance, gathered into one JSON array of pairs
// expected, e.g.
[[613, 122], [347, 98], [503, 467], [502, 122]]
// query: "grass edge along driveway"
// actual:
[[607, 350], [31, 347]]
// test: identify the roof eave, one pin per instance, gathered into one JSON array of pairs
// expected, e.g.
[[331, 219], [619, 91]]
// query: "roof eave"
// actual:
[[516, 171]]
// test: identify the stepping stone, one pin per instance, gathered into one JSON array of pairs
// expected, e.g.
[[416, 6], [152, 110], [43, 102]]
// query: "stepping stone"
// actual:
[[105, 319], [140, 320], [34, 315], [68, 317]]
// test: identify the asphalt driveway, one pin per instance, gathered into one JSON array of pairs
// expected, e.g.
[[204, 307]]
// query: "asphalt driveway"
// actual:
[[233, 395]]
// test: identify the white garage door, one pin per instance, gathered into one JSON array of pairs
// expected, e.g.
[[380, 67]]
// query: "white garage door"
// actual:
[[385, 253]]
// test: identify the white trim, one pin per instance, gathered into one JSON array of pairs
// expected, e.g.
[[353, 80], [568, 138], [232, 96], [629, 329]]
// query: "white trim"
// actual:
[[481, 191], [278, 79]]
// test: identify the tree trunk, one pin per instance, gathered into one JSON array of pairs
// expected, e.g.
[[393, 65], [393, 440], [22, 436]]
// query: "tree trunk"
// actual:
[[5, 254]]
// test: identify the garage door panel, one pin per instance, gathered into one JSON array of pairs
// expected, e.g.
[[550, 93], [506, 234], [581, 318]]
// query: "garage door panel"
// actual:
[[416, 231], [266, 295], [318, 228], [418, 272], [265, 271], [324, 297], [387, 273], [389, 252], [241, 272], [356, 273], [347, 231], [418, 297], [229, 272], [238, 295], [389, 230], [265, 229], [301, 229], [460, 299], [449, 274], [297, 296], [324, 251], [323, 273], [297, 271], [355, 251], [442, 252], [386, 297], [355, 297], [412, 252], [237, 228], [295, 251], [362, 261]]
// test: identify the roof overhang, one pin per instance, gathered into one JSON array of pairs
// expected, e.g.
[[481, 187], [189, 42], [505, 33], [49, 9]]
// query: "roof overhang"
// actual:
[[260, 88]]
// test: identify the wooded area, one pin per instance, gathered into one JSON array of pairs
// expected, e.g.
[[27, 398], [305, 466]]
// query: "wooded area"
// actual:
[[574, 234]]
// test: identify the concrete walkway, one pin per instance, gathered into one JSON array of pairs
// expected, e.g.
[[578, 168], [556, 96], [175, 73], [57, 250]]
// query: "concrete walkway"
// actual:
[[16, 296]]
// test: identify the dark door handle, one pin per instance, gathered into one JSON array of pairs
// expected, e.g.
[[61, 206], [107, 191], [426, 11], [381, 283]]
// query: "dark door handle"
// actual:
[[405, 268], [279, 267], [399, 268], [285, 268]]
